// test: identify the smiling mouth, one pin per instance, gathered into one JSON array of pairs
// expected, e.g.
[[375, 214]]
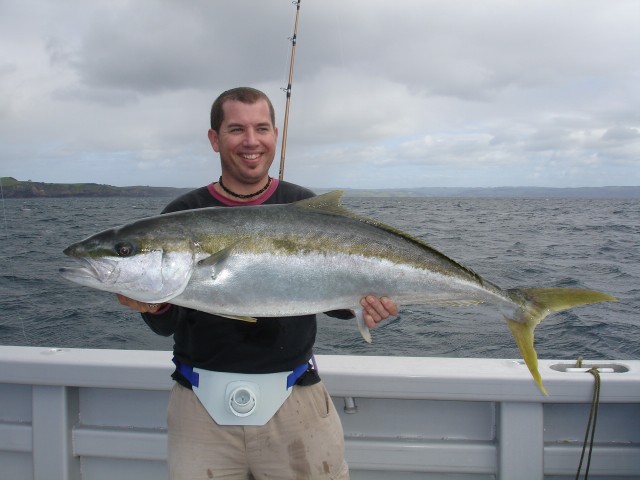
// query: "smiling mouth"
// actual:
[[251, 156]]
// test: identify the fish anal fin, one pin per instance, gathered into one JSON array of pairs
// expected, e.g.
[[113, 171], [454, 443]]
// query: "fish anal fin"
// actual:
[[362, 327], [242, 318]]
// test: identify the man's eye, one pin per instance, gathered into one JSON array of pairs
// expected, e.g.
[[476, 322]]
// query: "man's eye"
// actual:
[[124, 249]]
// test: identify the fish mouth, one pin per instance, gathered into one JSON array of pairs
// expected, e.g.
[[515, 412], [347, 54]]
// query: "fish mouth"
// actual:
[[77, 272], [87, 271]]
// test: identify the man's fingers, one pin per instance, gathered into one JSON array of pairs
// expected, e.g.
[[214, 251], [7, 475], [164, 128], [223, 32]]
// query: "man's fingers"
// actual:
[[141, 307], [376, 310]]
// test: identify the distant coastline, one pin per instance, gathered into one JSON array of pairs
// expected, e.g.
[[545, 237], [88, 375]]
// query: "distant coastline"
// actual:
[[495, 192], [12, 188]]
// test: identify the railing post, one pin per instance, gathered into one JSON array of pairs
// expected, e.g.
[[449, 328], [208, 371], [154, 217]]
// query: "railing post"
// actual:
[[521, 441], [55, 412]]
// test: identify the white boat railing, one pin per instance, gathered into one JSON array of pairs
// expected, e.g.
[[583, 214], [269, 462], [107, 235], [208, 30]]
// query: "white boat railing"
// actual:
[[100, 414]]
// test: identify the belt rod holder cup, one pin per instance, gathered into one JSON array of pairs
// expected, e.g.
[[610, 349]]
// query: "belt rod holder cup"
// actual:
[[242, 398]]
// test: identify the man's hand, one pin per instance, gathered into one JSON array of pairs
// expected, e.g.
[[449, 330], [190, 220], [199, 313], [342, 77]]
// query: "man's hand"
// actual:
[[377, 309], [141, 307]]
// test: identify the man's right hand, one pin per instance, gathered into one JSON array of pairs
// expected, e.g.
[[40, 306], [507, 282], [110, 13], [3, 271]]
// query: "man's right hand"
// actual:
[[141, 307]]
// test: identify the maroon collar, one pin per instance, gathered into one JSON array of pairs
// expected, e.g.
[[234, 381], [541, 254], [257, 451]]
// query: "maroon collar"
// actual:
[[233, 203]]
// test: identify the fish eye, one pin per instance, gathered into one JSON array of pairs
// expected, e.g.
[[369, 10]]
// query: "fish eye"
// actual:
[[124, 249]]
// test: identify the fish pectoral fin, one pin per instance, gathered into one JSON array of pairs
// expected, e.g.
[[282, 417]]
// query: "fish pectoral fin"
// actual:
[[219, 261], [364, 330], [216, 258], [242, 318]]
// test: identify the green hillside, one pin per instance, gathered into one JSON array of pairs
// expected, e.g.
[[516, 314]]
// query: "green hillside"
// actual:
[[12, 188]]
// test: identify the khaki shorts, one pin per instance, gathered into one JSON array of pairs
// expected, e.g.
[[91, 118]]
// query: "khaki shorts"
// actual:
[[304, 440]]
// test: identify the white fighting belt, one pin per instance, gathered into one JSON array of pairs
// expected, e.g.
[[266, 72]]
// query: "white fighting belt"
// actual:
[[242, 399]]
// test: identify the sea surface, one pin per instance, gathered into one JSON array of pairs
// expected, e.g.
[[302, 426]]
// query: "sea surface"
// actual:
[[586, 243]]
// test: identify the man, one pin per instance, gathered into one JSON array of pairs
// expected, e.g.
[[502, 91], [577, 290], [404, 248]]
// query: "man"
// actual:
[[304, 438]]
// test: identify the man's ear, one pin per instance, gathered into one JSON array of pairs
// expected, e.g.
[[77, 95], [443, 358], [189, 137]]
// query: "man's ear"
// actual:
[[213, 140]]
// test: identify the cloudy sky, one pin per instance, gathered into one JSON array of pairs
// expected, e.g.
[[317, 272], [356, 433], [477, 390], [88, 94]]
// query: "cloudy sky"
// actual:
[[385, 94]]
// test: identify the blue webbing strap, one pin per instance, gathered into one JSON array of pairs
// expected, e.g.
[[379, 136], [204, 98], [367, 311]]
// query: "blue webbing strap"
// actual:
[[296, 374], [187, 372]]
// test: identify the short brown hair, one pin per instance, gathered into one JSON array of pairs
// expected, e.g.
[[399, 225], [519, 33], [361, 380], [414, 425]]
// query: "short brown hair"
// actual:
[[240, 94]]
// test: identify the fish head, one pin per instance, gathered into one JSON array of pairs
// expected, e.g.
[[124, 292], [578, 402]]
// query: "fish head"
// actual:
[[135, 260]]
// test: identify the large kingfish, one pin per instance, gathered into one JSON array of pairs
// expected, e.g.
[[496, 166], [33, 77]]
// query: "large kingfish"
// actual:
[[302, 258]]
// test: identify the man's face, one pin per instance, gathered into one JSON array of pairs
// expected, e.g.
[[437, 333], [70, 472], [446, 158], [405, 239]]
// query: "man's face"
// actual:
[[246, 143]]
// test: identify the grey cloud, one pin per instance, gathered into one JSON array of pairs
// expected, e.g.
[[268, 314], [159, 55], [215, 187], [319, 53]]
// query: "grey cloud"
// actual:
[[111, 98], [181, 46], [621, 133]]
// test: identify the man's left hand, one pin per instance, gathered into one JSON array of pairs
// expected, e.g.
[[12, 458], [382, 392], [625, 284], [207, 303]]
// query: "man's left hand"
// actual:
[[377, 309]]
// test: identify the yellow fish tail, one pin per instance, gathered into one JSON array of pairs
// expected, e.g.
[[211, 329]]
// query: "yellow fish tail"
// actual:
[[535, 305]]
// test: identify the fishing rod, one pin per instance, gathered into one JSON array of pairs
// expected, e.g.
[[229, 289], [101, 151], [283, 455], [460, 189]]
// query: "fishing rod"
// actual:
[[288, 91]]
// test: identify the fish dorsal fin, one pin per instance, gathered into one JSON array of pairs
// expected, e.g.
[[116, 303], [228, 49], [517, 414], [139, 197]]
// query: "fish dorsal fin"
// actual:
[[328, 202]]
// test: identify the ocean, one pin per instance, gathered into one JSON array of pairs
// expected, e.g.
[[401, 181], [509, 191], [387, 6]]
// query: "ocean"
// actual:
[[585, 243]]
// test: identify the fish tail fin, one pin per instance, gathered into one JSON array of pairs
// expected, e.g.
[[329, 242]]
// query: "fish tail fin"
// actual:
[[535, 305]]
